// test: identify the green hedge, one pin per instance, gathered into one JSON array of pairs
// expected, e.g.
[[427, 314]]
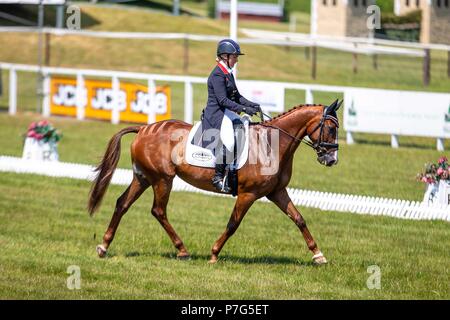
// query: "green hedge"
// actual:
[[386, 6], [412, 17], [403, 28]]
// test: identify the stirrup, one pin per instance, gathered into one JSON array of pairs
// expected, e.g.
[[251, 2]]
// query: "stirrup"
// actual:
[[220, 185]]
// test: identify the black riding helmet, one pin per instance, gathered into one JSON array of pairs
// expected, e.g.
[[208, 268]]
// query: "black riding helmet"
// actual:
[[228, 46]]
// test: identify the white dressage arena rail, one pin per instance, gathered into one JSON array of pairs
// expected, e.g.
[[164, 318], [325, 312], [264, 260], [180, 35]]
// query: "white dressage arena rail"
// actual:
[[312, 199]]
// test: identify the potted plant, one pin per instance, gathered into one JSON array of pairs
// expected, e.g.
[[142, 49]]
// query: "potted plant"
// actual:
[[41, 142], [436, 176]]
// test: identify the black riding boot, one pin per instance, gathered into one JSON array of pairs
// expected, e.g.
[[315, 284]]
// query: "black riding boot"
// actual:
[[217, 180]]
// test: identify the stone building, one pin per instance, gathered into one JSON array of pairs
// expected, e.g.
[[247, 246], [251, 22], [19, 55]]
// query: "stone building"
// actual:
[[340, 18], [435, 24]]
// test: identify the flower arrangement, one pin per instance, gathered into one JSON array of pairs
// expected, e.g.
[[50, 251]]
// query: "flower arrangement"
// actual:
[[434, 172], [43, 131]]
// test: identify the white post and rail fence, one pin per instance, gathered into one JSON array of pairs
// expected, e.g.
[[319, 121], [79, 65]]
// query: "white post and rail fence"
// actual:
[[391, 112]]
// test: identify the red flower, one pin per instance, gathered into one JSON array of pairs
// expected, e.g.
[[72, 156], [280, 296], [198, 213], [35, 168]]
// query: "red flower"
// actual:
[[43, 123], [442, 160], [32, 126]]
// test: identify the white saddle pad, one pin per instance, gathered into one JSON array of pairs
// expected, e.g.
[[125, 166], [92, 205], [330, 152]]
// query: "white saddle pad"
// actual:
[[202, 157]]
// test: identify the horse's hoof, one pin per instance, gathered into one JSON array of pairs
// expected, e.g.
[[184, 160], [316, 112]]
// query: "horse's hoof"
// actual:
[[101, 251], [319, 259], [213, 260], [183, 256]]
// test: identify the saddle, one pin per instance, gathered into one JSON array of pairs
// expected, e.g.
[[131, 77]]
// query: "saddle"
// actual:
[[235, 141]]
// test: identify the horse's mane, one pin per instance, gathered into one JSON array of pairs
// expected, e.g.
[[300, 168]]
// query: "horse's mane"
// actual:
[[282, 115]]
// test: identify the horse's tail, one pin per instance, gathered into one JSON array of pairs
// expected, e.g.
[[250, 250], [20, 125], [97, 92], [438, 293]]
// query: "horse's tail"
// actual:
[[106, 169]]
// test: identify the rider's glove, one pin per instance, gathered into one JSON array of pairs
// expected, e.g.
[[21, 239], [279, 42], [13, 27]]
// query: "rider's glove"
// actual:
[[250, 110]]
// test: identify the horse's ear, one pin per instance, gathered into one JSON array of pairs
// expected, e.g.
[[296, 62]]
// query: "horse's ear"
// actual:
[[339, 105], [332, 107]]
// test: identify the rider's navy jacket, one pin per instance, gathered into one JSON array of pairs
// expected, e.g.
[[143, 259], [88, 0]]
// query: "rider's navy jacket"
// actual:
[[222, 93]]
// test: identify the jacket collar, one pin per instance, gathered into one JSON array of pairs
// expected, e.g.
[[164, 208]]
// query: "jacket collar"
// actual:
[[223, 66]]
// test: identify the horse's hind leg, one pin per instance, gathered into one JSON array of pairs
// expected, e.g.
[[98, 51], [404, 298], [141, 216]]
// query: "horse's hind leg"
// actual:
[[161, 191], [133, 192]]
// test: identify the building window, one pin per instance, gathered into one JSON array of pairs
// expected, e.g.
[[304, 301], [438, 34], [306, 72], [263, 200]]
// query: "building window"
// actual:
[[439, 3], [355, 2], [446, 3], [364, 2], [417, 3], [334, 2], [324, 2], [407, 3]]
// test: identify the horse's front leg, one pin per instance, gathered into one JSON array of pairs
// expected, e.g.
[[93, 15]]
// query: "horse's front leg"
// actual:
[[243, 203], [283, 201]]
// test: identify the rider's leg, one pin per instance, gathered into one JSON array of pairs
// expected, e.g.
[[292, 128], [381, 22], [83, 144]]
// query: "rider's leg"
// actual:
[[221, 163]]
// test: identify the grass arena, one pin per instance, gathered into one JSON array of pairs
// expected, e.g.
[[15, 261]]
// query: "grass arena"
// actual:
[[46, 231]]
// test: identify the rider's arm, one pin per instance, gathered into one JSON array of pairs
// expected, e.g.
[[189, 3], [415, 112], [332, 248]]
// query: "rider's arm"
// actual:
[[219, 86], [244, 101]]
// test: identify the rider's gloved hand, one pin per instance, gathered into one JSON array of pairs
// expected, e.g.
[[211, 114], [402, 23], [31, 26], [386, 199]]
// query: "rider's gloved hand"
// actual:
[[250, 110]]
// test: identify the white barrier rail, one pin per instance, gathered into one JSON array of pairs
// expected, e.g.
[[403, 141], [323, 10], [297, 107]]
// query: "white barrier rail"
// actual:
[[272, 38], [313, 199], [270, 35], [188, 81]]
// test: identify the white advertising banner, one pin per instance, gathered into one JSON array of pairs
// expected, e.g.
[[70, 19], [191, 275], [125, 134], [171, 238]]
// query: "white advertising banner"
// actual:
[[269, 96], [397, 112]]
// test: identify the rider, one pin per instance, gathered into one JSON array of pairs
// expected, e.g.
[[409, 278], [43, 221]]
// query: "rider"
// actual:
[[223, 94]]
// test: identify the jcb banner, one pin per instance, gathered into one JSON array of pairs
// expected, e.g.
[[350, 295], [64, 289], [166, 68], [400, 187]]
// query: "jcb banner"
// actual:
[[133, 100]]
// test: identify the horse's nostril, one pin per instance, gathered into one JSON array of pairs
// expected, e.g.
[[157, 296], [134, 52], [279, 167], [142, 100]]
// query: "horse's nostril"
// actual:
[[331, 162]]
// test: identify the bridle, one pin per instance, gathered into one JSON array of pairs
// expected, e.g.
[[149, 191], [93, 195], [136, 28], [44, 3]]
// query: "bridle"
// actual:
[[319, 146]]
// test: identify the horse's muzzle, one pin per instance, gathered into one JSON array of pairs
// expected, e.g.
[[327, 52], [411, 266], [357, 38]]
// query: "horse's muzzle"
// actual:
[[328, 159]]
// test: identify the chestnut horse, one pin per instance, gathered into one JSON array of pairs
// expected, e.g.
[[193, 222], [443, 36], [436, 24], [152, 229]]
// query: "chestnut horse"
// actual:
[[156, 145]]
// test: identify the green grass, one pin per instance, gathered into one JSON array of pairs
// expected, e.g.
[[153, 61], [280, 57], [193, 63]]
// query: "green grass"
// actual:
[[45, 229]]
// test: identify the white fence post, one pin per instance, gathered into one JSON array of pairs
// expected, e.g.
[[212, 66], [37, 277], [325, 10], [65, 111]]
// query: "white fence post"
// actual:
[[12, 91], [151, 101], [394, 141], [188, 103], [80, 96], [440, 144], [46, 93], [115, 114], [350, 139], [309, 97]]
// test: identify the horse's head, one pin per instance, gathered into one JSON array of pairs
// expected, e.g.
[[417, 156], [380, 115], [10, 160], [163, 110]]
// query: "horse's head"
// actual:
[[323, 132]]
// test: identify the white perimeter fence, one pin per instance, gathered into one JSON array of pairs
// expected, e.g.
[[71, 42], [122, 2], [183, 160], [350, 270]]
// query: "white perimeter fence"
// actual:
[[188, 81], [312, 199]]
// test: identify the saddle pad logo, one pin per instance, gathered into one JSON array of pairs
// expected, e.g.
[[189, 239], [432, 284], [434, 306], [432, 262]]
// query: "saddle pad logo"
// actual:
[[201, 156]]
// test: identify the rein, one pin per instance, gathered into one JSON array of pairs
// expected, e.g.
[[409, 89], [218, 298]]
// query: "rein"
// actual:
[[317, 146]]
